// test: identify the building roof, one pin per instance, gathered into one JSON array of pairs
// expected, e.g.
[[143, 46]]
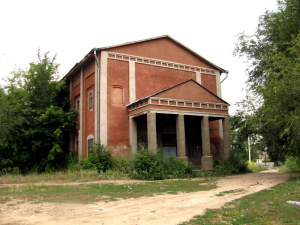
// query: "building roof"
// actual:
[[90, 56]]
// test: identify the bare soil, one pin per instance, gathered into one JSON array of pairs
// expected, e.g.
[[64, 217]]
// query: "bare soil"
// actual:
[[161, 209]]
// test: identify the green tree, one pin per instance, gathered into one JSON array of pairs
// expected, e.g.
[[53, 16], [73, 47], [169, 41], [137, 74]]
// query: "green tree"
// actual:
[[244, 126], [38, 105], [274, 59]]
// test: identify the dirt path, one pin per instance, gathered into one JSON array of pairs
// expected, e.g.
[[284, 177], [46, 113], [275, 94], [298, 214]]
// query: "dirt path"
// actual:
[[162, 209]]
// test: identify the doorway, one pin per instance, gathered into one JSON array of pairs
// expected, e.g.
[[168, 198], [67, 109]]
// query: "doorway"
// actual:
[[193, 139]]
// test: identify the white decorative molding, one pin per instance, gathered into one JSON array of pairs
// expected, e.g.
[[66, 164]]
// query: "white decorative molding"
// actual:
[[198, 77], [178, 103], [132, 92], [176, 112], [160, 63], [218, 82], [103, 98]]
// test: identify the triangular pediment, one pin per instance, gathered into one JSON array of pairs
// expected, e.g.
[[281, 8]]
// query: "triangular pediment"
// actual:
[[188, 97], [189, 90], [163, 48]]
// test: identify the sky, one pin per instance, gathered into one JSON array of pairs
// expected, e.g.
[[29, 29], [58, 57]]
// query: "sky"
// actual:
[[71, 28]]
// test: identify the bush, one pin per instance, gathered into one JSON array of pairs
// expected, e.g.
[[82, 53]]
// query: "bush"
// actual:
[[154, 166], [234, 164], [291, 164], [144, 165], [122, 165], [73, 164], [99, 159], [177, 168], [147, 165]]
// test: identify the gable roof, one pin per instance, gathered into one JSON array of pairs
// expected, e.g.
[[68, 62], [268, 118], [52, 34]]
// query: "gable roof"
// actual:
[[174, 87], [89, 56]]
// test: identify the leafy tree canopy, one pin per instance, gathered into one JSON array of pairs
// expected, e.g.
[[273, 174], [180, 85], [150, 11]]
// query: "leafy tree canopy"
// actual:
[[273, 53], [35, 118]]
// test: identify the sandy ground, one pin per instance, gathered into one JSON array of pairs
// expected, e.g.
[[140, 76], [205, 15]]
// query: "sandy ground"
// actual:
[[162, 209]]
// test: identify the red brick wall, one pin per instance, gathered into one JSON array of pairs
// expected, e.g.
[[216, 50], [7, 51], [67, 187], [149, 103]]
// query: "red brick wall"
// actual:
[[163, 49], [151, 79], [209, 81], [117, 114]]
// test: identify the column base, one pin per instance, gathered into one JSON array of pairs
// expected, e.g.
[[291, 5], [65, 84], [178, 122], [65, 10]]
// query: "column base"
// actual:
[[207, 163], [184, 158]]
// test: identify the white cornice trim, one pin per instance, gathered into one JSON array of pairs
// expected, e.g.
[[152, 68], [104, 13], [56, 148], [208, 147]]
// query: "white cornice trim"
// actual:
[[179, 103], [160, 63], [186, 113]]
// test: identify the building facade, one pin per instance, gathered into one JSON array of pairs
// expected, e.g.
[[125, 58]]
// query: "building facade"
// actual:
[[156, 92]]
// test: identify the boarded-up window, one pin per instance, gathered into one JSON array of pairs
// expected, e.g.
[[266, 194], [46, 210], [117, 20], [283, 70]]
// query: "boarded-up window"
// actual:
[[117, 95]]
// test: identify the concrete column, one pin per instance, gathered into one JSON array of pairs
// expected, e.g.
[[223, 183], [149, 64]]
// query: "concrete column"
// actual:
[[198, 77], [133, 135], [132, 92], [103, 98], [226, 137], [180, 134], [205, 136], [206, 159], [151, 130]]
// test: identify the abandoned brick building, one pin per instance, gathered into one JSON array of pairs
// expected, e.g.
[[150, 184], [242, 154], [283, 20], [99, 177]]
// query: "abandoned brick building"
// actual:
[[156, 92]]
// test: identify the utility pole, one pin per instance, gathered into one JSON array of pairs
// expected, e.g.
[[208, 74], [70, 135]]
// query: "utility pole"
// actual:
[[249, 148]]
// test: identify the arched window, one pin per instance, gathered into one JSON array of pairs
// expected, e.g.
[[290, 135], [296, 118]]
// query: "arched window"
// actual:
[[90, 142]]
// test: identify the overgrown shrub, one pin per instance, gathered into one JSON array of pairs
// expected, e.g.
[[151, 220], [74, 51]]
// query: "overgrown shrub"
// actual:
[[122, 165], [154, 166], [291, 164], [234, 164], [144, 164], [99, 159], [177, 168], [147, 165], [73, 164]]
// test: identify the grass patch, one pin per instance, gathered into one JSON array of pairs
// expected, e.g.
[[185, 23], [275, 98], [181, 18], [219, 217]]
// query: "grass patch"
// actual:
[[229, 192], [256, 168], [89, 193], [265, 207], [61, 177]]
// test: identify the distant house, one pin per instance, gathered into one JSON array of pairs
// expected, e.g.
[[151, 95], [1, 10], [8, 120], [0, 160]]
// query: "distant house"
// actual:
[[156, 92]]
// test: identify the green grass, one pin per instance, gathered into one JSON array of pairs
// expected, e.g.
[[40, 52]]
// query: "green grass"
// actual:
[[89, 193], [61, 177], [229, 192], [265, 207], [256, 168]]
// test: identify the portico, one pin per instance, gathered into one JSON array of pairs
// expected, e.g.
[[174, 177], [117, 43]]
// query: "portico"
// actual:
[[181, 123]]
